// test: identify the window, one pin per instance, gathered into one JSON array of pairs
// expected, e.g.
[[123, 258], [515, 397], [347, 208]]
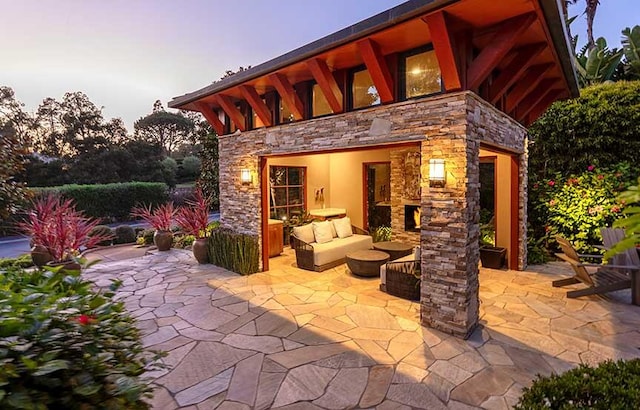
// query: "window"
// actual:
[[319, 104], [232, 125], [288, 187], [363, 91], [285, 115], [256, 121], [421, 74]]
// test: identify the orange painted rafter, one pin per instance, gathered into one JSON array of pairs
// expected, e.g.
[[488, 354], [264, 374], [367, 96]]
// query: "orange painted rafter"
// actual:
[[327, 83], [542, 106], [530, 80], [534, 97], [444, 46], [522, 60], [378, 69], [288, 94], [232, 111], [505, 37], [210, 116], [259, 107]]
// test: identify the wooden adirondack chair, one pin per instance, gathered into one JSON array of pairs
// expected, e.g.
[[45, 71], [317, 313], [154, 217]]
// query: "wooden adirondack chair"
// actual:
[[605, 278], [610, 237]]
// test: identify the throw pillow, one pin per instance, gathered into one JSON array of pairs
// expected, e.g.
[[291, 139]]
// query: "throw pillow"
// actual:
[[322, 231], [333, 229], [343, 227], [304, 233]]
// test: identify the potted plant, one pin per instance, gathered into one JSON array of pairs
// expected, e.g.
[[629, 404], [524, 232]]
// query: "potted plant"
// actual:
[[160, 219], [193, 219], [59, 232], [490, 256]]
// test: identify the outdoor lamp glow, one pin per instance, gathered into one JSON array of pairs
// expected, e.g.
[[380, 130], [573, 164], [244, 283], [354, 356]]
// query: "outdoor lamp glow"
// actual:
[[245, 176], [437, 175]]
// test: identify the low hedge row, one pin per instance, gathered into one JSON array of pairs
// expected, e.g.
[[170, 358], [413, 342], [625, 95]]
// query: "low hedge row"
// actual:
[[112, 201], [236, 252]]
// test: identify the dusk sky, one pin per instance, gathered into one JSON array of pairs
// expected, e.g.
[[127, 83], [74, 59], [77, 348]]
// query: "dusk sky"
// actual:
[[125, 54]]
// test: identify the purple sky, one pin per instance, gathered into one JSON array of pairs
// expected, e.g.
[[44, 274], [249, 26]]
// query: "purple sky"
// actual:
[[125, 54]]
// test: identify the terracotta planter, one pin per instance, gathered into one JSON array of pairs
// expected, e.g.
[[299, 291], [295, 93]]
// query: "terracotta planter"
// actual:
[[66, 265], [200, 250], [163, 240], [40, 255]]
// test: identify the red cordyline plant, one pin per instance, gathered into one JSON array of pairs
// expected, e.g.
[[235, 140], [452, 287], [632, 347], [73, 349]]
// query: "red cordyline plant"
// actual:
[[159, 218], [56, 224], [194, 217]]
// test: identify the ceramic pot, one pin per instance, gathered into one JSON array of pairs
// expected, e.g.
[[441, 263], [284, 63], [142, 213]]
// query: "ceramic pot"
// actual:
[[163, 240], [40, 255], [66, 265], [200, 250]]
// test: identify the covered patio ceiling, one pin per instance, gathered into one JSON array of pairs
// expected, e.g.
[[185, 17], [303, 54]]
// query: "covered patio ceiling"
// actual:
[[513, 54]]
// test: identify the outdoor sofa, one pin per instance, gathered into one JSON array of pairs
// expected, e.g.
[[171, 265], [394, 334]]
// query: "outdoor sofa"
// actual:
[[323, 245]]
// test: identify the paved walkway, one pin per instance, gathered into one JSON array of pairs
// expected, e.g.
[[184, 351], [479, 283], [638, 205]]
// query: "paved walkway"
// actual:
[[303, 340]]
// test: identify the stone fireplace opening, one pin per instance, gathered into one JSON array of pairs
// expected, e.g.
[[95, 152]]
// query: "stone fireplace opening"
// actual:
[[412, 218]]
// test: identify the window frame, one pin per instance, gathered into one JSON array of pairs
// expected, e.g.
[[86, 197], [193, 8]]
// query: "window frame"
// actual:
[[312, 84], [350, 77], [402, 73], [288, 206]]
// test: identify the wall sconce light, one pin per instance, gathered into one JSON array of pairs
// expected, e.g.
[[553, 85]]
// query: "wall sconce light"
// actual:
[[437, 175], [245, 176]]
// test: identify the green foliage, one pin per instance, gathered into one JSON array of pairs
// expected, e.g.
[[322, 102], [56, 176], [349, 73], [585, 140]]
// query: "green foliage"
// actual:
[[65, 346], [536, 250], [597, 64], [631, 221], [112, 200], [22, 261], [631, 48], [578, 206], [381, 234], [183, 241], [610, 385], [601, 127], [191, 167], [124, 234], [166, 129], [147, 236], [102, 230], [209, 174], [13, 194], [234, 251], [169, 170]]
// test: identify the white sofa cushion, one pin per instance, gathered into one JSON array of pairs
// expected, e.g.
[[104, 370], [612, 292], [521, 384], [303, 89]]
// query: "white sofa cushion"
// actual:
[[337, 249], [343, 227], [408, 258], [322, 231], [304, 233]]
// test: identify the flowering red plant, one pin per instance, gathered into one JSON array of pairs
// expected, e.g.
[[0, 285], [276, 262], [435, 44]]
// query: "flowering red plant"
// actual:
[[159, 218], [56, 224], [194, 217]]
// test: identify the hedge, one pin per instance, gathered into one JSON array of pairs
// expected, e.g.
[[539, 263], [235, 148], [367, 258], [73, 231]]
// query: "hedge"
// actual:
[[236, 252], [112, 201]]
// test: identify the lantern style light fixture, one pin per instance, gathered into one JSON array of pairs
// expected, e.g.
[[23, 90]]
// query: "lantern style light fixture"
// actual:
[[437, 174], [245, 176]]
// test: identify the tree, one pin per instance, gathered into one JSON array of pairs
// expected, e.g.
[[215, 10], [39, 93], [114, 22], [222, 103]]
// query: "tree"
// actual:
[[48, 128], [13, 115], [12, 193], [82, 122], [597, 64], [631, 47], [166, 129], [590, 11]]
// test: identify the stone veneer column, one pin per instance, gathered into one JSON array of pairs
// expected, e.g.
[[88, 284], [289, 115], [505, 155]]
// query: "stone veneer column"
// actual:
[[449, 235], [398, 200]]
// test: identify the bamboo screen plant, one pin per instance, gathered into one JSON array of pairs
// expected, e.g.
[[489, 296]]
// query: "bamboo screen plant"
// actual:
[[236, 252]]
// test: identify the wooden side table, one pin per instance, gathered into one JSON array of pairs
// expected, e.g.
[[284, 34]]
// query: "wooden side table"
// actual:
[[395, 250], [366, 263]]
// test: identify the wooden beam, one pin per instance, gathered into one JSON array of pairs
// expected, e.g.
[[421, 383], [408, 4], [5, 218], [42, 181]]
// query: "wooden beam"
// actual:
[[232, 111], [288, 94], [535, 96], [211, 117], [530, 80], [542, 106], [259, 107], [327, 83], [378, 69], [444, 46], [505, 37], [522, 60]]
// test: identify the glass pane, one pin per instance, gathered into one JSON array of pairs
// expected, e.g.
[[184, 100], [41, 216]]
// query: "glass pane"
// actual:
[[285, 114], [296, 176], [280, 196], [319, 104], [364, 92], [422, 75], [296, 211], [257, 122], [278, 176], [295, 196]]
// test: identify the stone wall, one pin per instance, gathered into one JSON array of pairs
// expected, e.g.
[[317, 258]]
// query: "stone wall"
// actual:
[[399, 200]]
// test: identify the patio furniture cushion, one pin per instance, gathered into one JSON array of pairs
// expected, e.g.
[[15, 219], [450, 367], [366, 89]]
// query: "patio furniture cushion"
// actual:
[[322, 231], [343, 227], [304, 233], [324, 253], [409, 258]]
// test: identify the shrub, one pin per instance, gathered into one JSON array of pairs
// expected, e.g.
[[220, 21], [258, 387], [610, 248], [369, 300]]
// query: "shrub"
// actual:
[[65, 346], [169, 169], [234, 251], [105, 231], [183, 241], [611, 385], [113, 200], [193, 217], [147, 236], [22, 261], [191, 166], [159, 218], [124, 234], [577, 206]]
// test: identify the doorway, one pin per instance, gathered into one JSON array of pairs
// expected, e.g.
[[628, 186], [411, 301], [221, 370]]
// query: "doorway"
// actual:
[[376, 208]]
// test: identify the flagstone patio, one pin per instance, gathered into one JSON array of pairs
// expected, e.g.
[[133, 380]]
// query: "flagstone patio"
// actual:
[[295, 339]]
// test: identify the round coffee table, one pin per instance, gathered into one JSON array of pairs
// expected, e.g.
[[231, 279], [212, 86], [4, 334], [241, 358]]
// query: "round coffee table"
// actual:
[[366, 263], [395, 250]]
